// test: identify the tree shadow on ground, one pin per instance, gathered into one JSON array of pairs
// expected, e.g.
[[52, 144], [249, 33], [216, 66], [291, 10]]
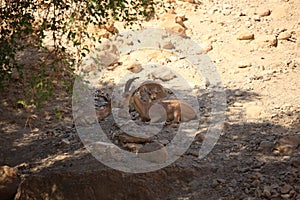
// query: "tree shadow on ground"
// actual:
[[247, 157]]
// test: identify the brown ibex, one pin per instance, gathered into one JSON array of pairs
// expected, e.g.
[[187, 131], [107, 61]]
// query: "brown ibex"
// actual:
[[175, 110]]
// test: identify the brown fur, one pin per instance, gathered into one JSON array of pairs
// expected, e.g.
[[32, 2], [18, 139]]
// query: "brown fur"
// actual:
[[148, 91], [175, 109], [105, 112]]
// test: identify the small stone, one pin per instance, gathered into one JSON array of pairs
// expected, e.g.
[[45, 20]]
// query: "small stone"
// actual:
[[256, 18], [297, 61], [237, 104], [220, 180], [194, 152], [231, 190], [189, 1], [215, 183], [173, 26], [169, 45], [164, 75], [238, 93], [173, 58], [207, 47], [107, 55], [233, 182], [199, 137], [132, 147], [285, 196], [263, 12], [134, 66], [243, 64], [256, 183], [267, 191], [284, 35], [153, 152], [65, 142], [125, 138], [286, 189], [276, 106], [245, 35]]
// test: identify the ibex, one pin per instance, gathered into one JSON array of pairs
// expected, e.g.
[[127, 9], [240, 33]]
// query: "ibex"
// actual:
[[176, 110], [148, 91]]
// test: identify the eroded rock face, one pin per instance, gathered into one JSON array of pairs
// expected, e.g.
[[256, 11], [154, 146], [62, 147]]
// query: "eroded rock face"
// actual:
[[9, 182]]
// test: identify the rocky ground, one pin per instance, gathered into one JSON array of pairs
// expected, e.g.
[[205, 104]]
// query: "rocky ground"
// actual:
[[255, 46]]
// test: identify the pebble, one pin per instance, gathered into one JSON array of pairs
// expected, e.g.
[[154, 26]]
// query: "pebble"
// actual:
[[132, 147], [238, 93], [153, 152], [284, 35], [125, 138], [194, 152], [221, 180], [267, 191], [65, 142], [173, 58], [207, 47], [164, 75], [244, 64], [245, 35], [263, 12], [199, 137], [189, 1], [256, 18], [173, 26], [134, 66], [237, 104], [286, 189], [215, 183], [285, 196], [256, 183], [169, 45]]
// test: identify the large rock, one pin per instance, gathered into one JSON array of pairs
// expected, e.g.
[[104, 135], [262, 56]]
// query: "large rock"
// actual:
[[173, 22], [9, 182]]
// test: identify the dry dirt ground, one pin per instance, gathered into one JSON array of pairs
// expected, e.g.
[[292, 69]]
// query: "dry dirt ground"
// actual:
[[255, 46]]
